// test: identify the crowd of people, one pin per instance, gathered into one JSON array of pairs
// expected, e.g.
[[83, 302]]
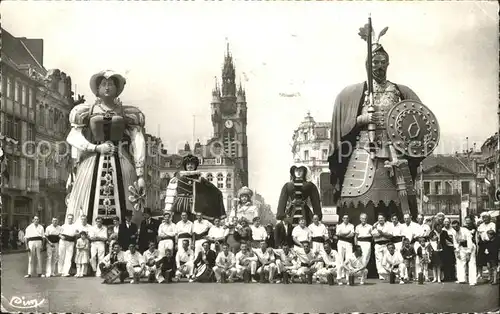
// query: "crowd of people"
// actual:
[[235, 249]]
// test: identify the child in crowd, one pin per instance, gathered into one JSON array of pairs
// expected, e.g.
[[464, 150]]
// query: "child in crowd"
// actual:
[[491, 252], [423, 259], [408, 253], [82, 254], [436, 258]]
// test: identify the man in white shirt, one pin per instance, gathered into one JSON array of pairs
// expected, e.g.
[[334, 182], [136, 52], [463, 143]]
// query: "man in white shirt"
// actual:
[[393, 262], [397, 233], [184, 229], [422, 229], [409, 230], [98, 237], [355, 266], [83, 226], [301, 234], [259, 233], [381, 233], [201, 227], [329, 263], [363, 237], [267, 262], [319, 234], [345, 234], [184, 260], [135, 263], [66, 245], [216, 234], [151, 256], [52, 233], [34, 243], [225, 264], [465, 254], [307, 262], [166, 234], [246, 261]]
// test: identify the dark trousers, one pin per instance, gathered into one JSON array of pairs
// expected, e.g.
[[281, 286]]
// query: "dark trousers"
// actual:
[[449, 263]]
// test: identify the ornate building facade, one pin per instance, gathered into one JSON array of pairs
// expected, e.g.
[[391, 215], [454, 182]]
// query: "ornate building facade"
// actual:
[[224, 158], [488, 173], [33, 114], [310, 146], [445, 182]]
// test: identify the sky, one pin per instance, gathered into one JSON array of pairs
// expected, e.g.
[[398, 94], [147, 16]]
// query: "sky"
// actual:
[[170, 52]]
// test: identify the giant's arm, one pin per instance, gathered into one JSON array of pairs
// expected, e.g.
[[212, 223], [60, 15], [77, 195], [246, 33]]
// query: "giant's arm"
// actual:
[[170, 194], [315, 201], [138, 143], [280, 213]]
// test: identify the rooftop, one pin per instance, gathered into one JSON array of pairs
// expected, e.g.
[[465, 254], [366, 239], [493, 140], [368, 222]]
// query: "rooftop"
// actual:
[[456, 164]]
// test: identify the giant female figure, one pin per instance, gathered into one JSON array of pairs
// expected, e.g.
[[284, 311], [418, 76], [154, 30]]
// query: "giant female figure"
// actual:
[[101, 135]]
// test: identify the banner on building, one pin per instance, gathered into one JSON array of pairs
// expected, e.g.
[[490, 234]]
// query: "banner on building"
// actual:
[[464, 207]]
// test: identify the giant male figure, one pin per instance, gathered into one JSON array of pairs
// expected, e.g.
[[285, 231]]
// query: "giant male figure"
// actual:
[[380, 134]]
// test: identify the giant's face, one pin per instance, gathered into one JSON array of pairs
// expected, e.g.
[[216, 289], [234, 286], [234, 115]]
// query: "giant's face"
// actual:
[[107, 88], [380, 63], [244, 198], [190, 166], [299, 173]]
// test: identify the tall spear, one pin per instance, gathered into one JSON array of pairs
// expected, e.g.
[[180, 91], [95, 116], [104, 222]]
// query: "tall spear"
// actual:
[[371, 108]]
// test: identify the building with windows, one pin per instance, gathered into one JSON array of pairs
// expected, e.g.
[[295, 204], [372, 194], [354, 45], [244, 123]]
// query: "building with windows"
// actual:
[[488, 172], [310, 146], [224, 158], [444, 182], [20, 56], [154, 164], [34, 118]]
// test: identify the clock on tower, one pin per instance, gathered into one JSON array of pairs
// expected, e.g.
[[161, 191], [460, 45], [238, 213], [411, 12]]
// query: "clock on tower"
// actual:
[[228, 124]]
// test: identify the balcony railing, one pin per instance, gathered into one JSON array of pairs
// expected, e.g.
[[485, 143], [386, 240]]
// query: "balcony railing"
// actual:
[[443, 192]]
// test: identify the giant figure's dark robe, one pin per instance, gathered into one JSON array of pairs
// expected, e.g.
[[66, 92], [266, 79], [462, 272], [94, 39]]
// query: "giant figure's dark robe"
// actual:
[[310, 195], [345, 135]]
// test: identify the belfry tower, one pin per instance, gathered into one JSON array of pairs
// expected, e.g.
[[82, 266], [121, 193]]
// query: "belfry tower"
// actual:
[[229, 119]]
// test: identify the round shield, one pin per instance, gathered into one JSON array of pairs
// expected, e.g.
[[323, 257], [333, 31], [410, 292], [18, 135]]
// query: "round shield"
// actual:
[[412, 128]]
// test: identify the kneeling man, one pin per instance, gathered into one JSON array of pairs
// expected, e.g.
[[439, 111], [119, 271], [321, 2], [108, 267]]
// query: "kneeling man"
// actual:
[[116, 258], [267, 262], [393, 262], [246, 262], [329, 263], [184, 261], [355, 266], [287, 261], [151, 255], [135, 263], [307, 262], [225, 264]]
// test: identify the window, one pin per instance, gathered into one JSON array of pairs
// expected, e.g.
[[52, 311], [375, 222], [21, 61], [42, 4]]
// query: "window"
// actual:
[[16, 91], [9, 87], [15, 134], [30, 97], [324, 154], [306, 155], [23, 94], [220, 180], [427, 188], [8, 126], [29, 176], [229, 143], [15, 170], [229, 181], [465, 187], [306, 136], [448, 189], [437, 187], [210, 177]]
